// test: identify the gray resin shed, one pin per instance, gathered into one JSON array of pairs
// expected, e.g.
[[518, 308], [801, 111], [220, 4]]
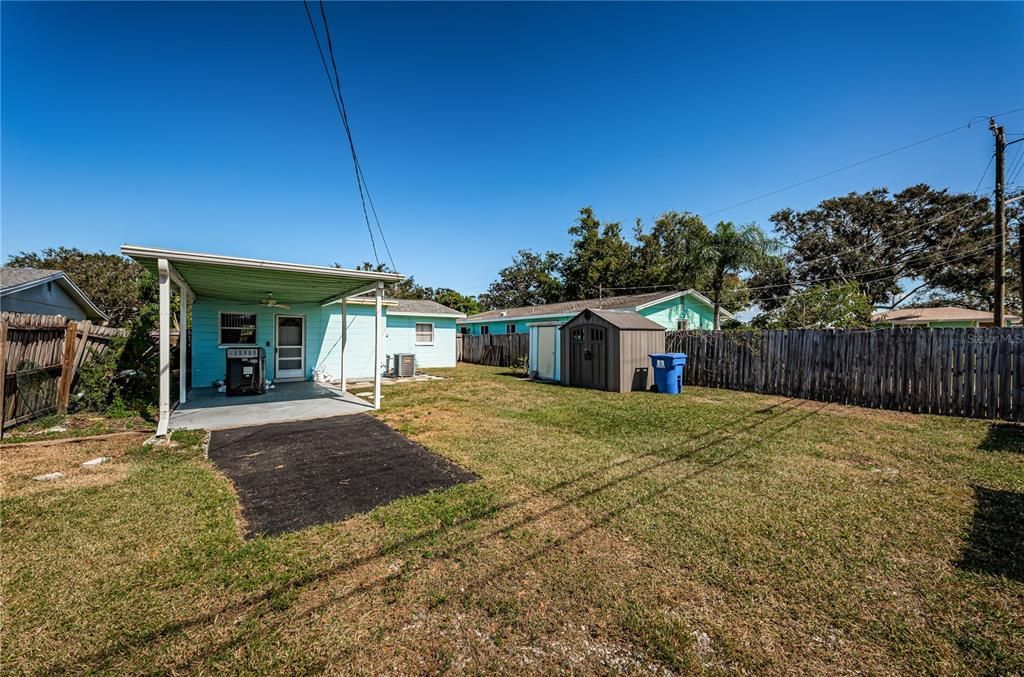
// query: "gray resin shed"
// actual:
[[608, 350]]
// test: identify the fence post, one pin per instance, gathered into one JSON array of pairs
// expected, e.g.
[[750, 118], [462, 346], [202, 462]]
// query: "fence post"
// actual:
[[3, 375], [67, 367]]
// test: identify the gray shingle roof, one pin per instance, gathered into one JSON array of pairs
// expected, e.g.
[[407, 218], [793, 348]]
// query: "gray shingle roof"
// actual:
[[625, 319], [423, 306], [14, 280], [630, 302], [15, 277]]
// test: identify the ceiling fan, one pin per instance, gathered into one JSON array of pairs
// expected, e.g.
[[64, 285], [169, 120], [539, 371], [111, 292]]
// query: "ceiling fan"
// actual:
[[270, 302]]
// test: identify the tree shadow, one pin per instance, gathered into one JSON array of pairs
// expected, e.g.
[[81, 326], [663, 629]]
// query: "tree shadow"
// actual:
[[569, 493], [1004, 437], [995, 545]]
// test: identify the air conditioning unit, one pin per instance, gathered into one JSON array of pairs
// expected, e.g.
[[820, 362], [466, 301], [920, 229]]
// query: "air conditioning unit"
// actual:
[[403, 365]]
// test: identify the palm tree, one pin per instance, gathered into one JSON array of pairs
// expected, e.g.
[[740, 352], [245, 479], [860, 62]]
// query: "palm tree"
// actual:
[[731, 250]]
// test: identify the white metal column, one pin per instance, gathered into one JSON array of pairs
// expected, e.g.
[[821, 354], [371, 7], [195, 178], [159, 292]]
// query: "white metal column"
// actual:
[[165, 345], [182, 346], [377, 347], [344, 342]]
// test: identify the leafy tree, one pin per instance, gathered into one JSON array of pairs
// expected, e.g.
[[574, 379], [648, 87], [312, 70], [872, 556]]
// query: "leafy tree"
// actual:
[[406, 289], [893, 246], [600, 257], [532, 279], [822, 306], [410, 289], [670, 253], [460, 302], [729, 251], [118, 286]]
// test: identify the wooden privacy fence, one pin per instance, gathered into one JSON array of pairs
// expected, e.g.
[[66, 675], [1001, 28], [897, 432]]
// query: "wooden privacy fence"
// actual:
[[977, 373], [41, 355], [496, 350]]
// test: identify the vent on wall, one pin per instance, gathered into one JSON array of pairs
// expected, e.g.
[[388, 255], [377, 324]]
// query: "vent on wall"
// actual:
[[403, 365]]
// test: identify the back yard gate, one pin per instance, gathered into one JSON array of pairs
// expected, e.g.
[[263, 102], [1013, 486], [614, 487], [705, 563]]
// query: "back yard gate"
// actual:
[[976, 373]]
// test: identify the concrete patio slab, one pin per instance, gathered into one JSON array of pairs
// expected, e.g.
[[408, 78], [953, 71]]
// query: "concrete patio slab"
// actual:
[[287, 402]]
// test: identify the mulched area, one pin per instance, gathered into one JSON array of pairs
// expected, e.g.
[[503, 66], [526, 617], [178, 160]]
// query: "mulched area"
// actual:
[[293, 475]]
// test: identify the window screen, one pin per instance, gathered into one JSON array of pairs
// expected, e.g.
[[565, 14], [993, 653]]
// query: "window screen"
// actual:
[[510, 328], [238, 328], [485, 329], [424, 333]]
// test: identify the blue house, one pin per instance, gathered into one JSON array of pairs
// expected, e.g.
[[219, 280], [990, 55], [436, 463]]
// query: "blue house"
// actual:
[[675, 311], [312, 321]]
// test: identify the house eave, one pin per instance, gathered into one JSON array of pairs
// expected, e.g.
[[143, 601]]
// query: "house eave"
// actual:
[[172, 255], [72, 290]]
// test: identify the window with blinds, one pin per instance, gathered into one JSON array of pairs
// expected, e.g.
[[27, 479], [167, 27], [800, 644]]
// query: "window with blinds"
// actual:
[[424, 334]]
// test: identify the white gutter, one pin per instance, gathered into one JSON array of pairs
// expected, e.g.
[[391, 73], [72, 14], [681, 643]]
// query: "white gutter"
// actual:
[[174, 255], [408, 313]]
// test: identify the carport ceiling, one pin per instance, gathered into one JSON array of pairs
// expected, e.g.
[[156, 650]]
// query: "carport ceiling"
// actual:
[[250, 280]]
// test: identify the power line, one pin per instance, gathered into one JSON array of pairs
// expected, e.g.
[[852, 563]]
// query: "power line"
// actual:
[[858, 163], [878, 269], [339, 100], [844, 250]]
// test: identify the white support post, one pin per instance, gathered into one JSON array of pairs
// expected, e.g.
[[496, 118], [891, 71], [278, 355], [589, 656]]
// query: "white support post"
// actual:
[[377, 347], [165, 346], [182, 346], [344, 342]]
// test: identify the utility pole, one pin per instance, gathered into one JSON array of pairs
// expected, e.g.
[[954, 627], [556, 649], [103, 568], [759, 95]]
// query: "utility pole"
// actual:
[[1000, 225]]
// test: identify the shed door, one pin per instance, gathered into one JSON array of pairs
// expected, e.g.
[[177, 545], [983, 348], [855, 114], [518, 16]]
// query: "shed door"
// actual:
[[587, 357], [546, 346]]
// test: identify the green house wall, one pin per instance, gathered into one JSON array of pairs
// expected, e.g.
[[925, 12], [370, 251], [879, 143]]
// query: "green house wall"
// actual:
[[666, 313]]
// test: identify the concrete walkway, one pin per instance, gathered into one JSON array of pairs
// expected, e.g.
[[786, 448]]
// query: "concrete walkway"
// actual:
[[303, 401]]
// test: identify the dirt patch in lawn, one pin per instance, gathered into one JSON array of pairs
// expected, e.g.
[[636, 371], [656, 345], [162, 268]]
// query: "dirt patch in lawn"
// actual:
[[293, 475], [21, 463]]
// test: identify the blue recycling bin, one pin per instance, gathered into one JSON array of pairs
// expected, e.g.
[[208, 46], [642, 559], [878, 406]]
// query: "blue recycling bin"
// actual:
[[668, 372]]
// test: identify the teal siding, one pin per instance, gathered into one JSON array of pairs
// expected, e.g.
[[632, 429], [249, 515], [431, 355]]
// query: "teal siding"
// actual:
[[521, 324], [323, 339], [402, 339], [668, 313], [359, 346]]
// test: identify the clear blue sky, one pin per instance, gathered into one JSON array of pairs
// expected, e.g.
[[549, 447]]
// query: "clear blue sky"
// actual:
[[482, 128]]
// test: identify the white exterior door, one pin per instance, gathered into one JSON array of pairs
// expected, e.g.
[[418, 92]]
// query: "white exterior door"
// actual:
[[546, 346], [291, 348]]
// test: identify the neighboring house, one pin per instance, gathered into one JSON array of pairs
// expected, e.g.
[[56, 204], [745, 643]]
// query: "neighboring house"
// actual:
[[45, 292], [672, 310], [296, 313], [944, 316]]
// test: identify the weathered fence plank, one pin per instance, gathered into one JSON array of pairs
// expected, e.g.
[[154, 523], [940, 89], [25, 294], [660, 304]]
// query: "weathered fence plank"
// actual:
[[40, 356], [961, 372], [496, 350]]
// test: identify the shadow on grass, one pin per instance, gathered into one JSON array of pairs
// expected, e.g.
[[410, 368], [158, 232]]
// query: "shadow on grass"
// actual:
[[995, 545], [521, 375], [568, 492], [1003, 437]]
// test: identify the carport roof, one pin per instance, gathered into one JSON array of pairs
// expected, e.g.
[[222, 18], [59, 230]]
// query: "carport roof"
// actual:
[[250, 280]]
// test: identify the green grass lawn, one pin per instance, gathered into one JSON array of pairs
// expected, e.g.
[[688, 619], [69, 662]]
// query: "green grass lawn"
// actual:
[[717, 531]]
